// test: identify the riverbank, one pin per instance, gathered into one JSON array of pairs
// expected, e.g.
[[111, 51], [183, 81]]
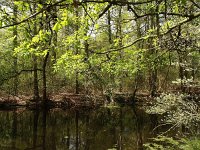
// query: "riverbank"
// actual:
[[68, 100], [71, 100]]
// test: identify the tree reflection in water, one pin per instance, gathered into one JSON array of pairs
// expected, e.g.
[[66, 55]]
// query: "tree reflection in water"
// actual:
[[101, 129], [35, 127], [14, 129]]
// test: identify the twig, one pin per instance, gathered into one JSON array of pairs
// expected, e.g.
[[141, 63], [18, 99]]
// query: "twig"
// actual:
[[105, 10]]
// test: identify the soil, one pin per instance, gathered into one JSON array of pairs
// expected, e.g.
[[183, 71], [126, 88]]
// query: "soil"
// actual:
[[67, 100]]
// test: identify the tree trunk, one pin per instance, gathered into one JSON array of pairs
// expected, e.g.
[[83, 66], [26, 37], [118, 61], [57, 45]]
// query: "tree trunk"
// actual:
[[77, 88], [15, 63], [44, 78], [109, 28], [154, 51], [86, 49], [120, 44], [55, 37], [47, 27], [35, 80], [35, 64], [138, 75], [53, 60]]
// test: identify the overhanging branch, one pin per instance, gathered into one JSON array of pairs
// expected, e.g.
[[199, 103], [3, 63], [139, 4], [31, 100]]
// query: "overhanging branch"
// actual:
[[190, 18], [33, 15], [195, 4], [19, 73], [118, 2], [153, 36], [105, 10]]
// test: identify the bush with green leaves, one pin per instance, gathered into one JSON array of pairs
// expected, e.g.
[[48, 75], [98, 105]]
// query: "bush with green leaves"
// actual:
[[176, 108], [169, 143]]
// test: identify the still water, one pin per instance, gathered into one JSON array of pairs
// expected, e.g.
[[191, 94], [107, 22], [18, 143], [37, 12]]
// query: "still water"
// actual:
[[123, 128]]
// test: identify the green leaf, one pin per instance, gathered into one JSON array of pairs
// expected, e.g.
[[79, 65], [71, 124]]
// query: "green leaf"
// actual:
[[35, 39], [57, 26]]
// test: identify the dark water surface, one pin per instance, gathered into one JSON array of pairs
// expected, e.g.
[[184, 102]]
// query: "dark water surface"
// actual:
[[122, 128]]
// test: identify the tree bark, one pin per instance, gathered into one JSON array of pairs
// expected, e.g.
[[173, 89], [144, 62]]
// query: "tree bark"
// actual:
[[77, 86], [120, 44], [35, 64], [154, 51], [45, 78], [109, 28], [15, 43]]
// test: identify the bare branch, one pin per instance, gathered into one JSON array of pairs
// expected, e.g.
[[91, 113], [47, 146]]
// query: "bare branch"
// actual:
[[191, 17], [118, 2], [127, 46], [195, 4], [19, 73], [85, 9], [131, 9], [105, 10], [153, 36], [163, 13]]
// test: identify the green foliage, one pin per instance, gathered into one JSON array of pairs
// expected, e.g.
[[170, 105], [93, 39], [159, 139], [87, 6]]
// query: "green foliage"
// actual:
[[71, 63], [168, 143], [37, 45], [177, 108], [162, 143], [164, 103], [191, 144], [110, 52]]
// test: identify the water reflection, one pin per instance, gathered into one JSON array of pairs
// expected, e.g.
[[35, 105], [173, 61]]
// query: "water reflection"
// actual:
[[118, 128], [14, 129], [35, 127]]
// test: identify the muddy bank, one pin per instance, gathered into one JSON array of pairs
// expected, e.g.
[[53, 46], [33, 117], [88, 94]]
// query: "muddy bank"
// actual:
[[68, 100]]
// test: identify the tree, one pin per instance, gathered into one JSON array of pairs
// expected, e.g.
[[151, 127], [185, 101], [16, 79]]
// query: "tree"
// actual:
[[108, 45], [15, 65]]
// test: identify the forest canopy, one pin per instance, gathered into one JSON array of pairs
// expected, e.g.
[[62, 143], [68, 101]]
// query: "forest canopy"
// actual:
[[95, 46]]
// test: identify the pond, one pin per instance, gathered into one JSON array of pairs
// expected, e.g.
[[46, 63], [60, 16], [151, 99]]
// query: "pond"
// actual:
[[56, 129]]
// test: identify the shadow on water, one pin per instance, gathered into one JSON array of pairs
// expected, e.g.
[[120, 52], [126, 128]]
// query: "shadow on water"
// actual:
[[102, 129]]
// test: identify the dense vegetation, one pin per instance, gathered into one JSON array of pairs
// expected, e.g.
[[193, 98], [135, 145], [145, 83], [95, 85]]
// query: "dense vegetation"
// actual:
[[106, 47], [99, 46]]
